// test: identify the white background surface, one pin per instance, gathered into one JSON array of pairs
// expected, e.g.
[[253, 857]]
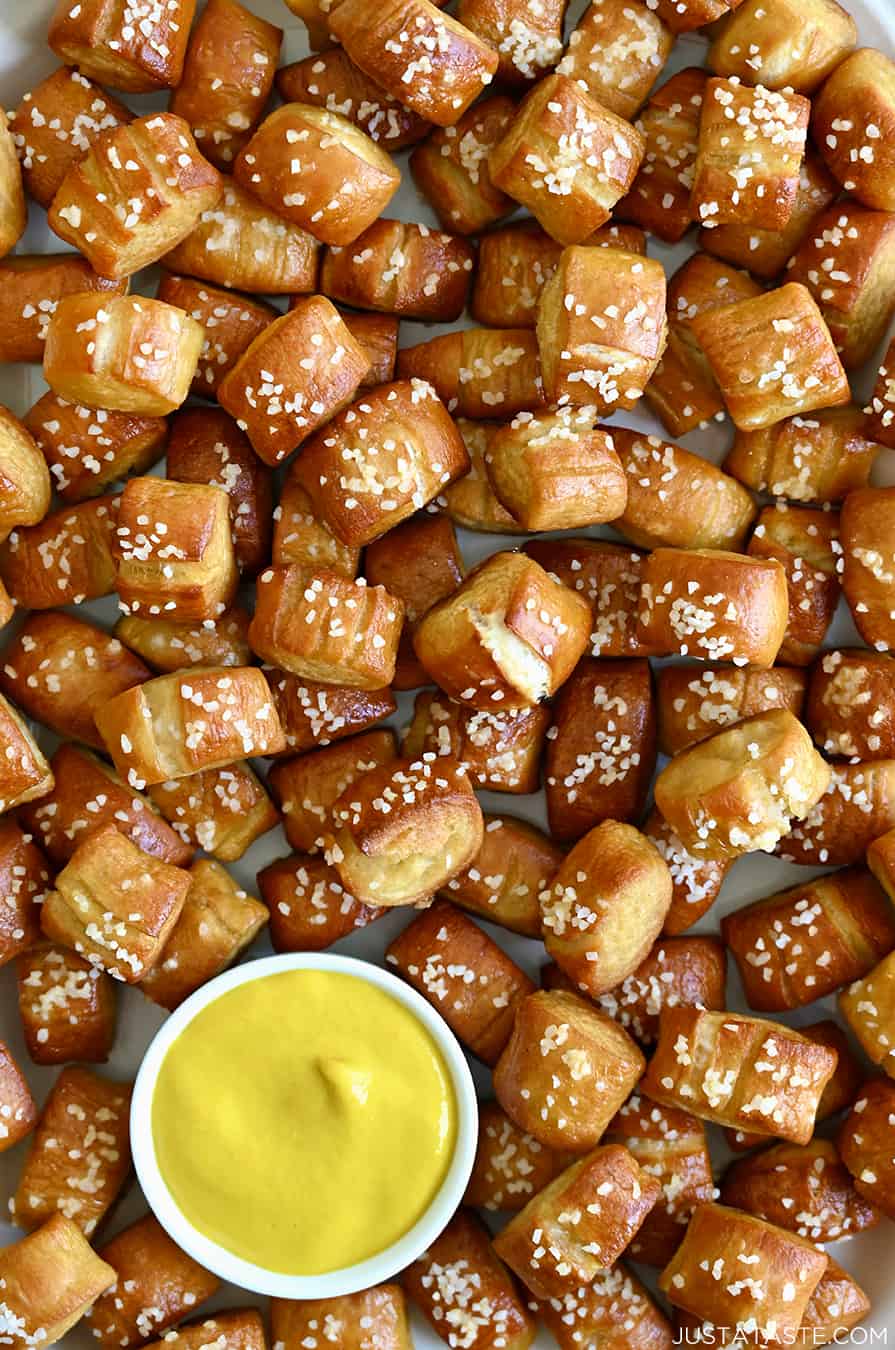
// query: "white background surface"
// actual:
[[24, 59]]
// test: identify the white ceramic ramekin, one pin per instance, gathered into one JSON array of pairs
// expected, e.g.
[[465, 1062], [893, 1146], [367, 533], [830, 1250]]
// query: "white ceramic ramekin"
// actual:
[[245, 1274]]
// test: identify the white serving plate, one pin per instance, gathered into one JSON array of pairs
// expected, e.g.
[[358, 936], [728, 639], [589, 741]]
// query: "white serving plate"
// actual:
[[24, 59]]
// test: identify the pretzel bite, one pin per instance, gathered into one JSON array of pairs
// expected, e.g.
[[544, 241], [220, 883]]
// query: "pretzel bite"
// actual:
[[857, 807], [847, 261], [467, 977], [67, 1006], [866, 1140], [614, 1312], [231, 324], [528, 39], [868, 1007], [514, 265], [682, 971], [13, 207], [837, 1304], [615, 54], [17, 1109], [620, 298], [684, 16], [434, 832], [881, 861], [238, 1329], [217, 922], [807, 544], [502, 883], [402, 269], [124, 353], [373, 1319], [313, 713], [480, 373], [868, 521], [605, 907], [24, 478], [157, 1285], [55, 125], [50, 1279], [93, 908], [382, 459], [60, 670], [334, 186], [227, 78], [607, 576], [66, 559], [852, 123], [565, 1071], [222, 811], [331, 80], [766, 252], [683, 392], [659, 196], [325, 627], [206, 447], [87, 450], [419, 562], [138, 191], [31, 288], [695, 881], [770, 1299], [509, 636], [470, 500], [241, 245], [428, 61], [176, 725], [555, 470], [115, 45], [461, 1283], [510, 1166], [167, 645], [678, 499], [24, 882], [671, 1147], [804, 943], [566, 158], [450, 169], [738, 790], [694, 702], [711, 605], [309, 907], [308, 786], [764, 372], [79, 1157], [500, 749], [300, 536], [601, 749], [24, 773], [807, 459], [378, 335], [300, 370], [88, 795], [739, 1071], [579, 1224], [804, 1189], [797, 45]]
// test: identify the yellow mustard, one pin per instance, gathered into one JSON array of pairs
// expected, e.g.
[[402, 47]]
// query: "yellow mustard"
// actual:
[[304, 1121]]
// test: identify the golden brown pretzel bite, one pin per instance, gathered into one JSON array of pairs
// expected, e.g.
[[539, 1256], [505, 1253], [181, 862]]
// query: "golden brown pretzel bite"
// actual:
[[805, 942], [688, 971], [300, 536], [881, 409], [177, 724], [743, 1072], [852, 123], [527, 38], [795, 44], [857, 807], [24, 477], [227, 78], [500, 750], [515, 263], [24, 773], [331, 80], [31, 287], [400, 832], [508, 638], [313, 713], [807, 544], [739, 790], [242, 245], [87, 450], [50, 1279], [865, 1143], [868, 556], [695, 881], [17, 1109], [546, 1079], [157, 1285], [59, 669], [464, 974], [868, 1007], [820, 458], [231, 324], [308, 786], [616, 52], [318, 171], [399, 268], [567, 158], [615, 1312], [503, 881], [373, 1319], [659, 197], [480, 373], [608, 577], [378, 335], [13, 208], [102, 39], [696, 701], [166, 645], [238, 1329], [510, 1166], [309, 907], [24, 882], [115, 905], [451, 169], [79, 1157], [470, 500], [66, 559], [222, 811], [67, 1006], [803, 1188]]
